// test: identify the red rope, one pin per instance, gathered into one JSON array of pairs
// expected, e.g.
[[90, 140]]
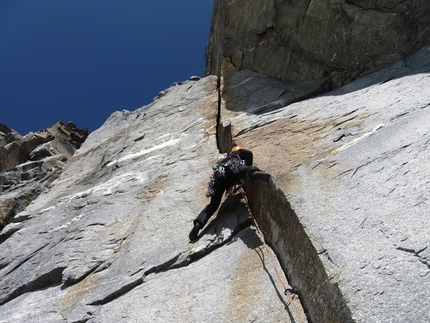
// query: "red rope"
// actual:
[[287, 290]]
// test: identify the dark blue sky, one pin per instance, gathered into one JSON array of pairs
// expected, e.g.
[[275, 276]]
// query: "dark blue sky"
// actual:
[[81, 60]]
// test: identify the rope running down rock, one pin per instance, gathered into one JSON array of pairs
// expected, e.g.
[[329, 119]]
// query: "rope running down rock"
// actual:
[[288, 291]]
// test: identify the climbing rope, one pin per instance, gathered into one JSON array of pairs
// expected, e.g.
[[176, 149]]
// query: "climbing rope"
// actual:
[[288, 291]]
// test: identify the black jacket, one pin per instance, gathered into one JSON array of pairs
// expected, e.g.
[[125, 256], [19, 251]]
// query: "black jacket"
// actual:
[[243, 154]]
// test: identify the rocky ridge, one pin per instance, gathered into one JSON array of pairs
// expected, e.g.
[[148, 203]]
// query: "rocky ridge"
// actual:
[[29, 164]]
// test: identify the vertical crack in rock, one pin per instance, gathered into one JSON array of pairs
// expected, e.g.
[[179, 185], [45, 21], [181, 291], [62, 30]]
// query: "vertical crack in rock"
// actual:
[[321, 298], [218, 116]]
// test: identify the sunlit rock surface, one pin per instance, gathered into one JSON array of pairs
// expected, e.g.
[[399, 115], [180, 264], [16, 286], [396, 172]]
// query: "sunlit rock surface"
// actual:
[[109, 241], [350, 172]]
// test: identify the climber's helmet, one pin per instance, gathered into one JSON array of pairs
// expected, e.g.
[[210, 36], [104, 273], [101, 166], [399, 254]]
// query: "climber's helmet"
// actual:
[[235, 148]]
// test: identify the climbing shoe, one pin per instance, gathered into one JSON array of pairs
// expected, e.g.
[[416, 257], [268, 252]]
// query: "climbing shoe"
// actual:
[[259, 175], [194, 232]]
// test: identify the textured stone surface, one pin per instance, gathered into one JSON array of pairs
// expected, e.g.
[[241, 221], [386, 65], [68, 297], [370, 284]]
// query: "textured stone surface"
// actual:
[[60, 138], [28, 164], [349, 170], [7, 135], [329, 42], [346, 211], [109, 240]]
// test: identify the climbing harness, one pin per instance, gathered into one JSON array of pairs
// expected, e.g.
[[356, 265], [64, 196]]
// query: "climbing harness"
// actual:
[[288, 291], [232, 162]]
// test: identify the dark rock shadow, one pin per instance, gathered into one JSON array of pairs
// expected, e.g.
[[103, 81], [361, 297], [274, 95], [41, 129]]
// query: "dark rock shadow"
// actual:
[[231, 218], [256, 93]]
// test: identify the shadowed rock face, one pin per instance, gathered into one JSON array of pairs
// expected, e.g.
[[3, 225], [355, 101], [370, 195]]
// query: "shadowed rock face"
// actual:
[[330, 42]]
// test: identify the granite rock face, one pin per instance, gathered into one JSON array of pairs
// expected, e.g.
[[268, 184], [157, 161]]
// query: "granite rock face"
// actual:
[[60, 138], [329, 42], [347, 208], [345, 212], [109, 239], [28, 164]]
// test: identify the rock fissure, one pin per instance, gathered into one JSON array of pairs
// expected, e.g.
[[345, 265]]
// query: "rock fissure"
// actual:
[[116, 293], [218, 116], [385, 8], [52, 277], [187, 257], [416, 253], [181, 260]]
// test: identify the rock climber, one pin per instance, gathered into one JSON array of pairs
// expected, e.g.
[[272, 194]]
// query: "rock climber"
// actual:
[[227, 172]]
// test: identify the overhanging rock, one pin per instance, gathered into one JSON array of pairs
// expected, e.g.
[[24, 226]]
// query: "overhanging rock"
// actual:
[[328, 42]]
